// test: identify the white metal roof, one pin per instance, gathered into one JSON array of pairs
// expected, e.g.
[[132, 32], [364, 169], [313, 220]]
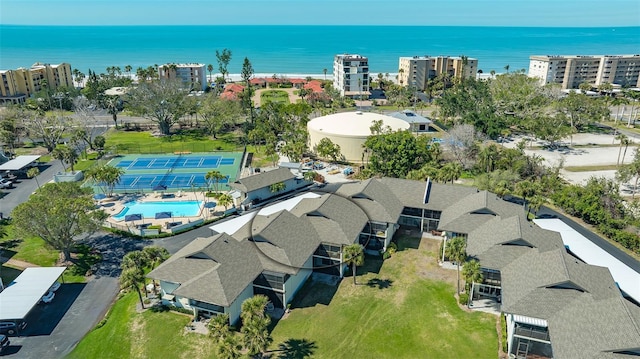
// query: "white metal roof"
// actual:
[[531, 321], [18, 163], [627, 279], [356, 124], [232, 226], [25, 291]]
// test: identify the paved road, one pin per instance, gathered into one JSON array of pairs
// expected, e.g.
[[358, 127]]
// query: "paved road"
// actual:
[[25, 187]]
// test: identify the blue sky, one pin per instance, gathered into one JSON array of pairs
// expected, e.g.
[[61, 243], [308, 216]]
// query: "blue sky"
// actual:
[[323, 12]]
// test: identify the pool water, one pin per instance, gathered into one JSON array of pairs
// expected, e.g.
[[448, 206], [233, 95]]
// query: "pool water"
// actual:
[[149, 209]]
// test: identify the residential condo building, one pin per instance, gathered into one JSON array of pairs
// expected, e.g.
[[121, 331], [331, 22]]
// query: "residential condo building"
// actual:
[[19, 84], [351, 76], [416, 71], [555, 303], [571, 71], [193, 74]]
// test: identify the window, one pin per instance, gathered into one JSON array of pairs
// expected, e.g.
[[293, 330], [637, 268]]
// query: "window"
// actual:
[[271, 279]]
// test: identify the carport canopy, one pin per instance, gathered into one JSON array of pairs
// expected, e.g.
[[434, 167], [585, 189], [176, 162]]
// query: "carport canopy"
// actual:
[[17, 299], [18, 163]]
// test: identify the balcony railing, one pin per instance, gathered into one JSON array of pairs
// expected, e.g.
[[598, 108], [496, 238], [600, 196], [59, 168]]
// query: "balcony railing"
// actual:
[[532, 333]]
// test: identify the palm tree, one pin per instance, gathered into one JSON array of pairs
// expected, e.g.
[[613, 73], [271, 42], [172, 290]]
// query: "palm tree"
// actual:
[[354, 255], [617, 102], [310, 176], [210, 69], [33, 172], [229, 347], [456, 251], [106, 177], [526, 189], [214, 177], [325, 73], [450, 172], [153, 256], [626, 143], [225, 200], [487, 157], [632, 170], [622, 138], [277, 187], [219, 327], [507, 68], [131, 278], [535, 203], [255, 324], [400, 73], [472, 273]]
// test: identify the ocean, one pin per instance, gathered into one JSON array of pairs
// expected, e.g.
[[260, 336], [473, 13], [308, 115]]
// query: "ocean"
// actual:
[[300, 49]]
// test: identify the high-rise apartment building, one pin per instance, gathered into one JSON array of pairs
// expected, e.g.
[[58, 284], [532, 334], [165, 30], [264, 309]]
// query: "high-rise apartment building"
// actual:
[[193, 74], [571, 71], [351, 76], [21, 83], [416, 71]]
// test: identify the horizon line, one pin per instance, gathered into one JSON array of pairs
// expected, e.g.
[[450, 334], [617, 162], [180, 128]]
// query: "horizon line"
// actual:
[[322, 25]]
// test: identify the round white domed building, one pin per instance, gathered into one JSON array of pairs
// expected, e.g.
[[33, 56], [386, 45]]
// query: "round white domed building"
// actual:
[[349, 130]]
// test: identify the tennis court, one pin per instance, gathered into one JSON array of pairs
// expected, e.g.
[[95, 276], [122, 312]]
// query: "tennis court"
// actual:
[[175, 172]]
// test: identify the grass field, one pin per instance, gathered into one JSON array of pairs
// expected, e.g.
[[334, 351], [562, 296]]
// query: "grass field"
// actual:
[[274, 96], [128, 334], [144, 142], [402, 309]]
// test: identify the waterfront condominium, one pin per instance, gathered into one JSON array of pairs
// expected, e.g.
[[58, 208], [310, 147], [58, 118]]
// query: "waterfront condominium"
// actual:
[[21, 83], [351, 76], [571, 71], [193, 74], [416, 71]]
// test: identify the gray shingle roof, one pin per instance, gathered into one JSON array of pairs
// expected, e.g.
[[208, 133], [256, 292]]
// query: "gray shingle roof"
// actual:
[[261, 180], [213, 270], [376, 199], [499, 241], [484, 204], [412, 193]]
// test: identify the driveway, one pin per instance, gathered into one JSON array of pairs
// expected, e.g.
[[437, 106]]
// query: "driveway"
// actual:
[[21, 190]]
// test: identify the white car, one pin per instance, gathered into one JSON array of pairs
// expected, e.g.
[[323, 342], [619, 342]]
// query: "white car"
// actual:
[[54, 287], [4, 183], [47, 298]]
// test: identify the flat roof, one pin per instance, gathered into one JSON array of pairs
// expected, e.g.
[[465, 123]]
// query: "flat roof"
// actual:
[[18, 163], [355, 123], [627, 279], [21, 295]]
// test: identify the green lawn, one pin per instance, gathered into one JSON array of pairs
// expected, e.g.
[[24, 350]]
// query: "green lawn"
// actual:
[[35, 251], [274, 96], [123, 142], [128, 334], [404, 311]]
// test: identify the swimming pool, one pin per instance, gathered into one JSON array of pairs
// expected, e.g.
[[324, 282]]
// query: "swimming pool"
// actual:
[[149, 209]]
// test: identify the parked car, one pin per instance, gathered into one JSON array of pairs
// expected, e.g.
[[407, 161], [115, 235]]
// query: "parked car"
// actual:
[[11, 328], [4, 183], [54, 287], [4, 342], [48, 298]]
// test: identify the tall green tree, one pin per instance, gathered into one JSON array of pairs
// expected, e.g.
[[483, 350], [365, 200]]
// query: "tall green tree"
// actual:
[[225, 200], [247, 74], [472, 273], [49, 129], [131, 278], [161, 101], [394, 154], [33, 172], [255, 323], [629, 171], [219, 114], [353, 255], [326, 148], [456, 251], [106, 177], [66, 155], [60, 214], [223, 57], [214, 177]]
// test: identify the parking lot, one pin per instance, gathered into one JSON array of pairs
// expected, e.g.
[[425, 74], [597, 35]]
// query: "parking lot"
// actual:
[[54, 329]]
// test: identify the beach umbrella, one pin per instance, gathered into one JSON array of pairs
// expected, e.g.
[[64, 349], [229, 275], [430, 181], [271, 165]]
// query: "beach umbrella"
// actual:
[[161, 215], [133, 217], [159, 187]]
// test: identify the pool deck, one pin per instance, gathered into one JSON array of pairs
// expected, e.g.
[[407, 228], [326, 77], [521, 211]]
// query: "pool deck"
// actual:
[[115, 205]]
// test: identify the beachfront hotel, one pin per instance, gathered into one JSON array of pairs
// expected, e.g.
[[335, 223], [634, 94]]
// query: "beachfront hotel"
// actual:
[[351, 75], [193, 74], [19, 84], [571, 71], [416, 71]]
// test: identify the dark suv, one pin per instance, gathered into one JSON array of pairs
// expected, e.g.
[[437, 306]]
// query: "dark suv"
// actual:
[[4, 342], [11, 328]]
